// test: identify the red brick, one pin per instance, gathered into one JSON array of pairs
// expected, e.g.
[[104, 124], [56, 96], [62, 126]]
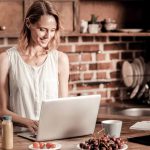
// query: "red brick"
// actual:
[[65, 48], [86, 57], [115, 75], [114, 38], [87, 87], [87, 48], [73, 57], [115, 93], [102, 66], [101, 75], [83, 67], [137, 46], [74, 67], [74, 77], [115, 46], [100, 38], [92, 66], [142, 38], [103, 93], [87, 39], [12, 40], [88, 76], [1, 41], [90, 93], [70, 87], [100, 56], [127, 38], [114, 56], [112, 84], [62, 39], [106, 101], [79, 93], [73, 38], [127, 55]]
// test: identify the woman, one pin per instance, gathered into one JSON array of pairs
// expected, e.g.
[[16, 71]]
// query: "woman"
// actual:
[[34, 70]]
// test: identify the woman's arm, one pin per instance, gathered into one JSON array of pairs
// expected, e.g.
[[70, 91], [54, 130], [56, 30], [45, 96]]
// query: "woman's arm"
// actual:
[[4, 96], [63, 67]]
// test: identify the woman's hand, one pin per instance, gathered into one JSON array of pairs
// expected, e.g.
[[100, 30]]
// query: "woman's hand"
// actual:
[[32, 125]]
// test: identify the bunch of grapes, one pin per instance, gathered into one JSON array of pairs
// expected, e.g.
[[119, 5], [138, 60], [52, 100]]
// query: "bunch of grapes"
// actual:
[[103, 143]]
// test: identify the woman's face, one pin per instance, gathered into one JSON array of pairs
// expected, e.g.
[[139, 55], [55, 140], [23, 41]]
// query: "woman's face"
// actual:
[[43, 31]]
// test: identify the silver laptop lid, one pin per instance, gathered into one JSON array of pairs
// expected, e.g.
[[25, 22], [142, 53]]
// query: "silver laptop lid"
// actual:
[[68, 117]]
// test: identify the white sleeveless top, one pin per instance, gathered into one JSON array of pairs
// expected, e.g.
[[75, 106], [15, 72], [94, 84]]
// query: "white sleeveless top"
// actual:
[[29, 85]]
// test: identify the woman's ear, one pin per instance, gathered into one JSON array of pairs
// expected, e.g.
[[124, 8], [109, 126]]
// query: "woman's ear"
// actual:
[[27, 22]]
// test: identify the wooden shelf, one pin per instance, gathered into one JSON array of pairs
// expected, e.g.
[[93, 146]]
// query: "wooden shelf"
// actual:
[[108, 34], [141, 34]]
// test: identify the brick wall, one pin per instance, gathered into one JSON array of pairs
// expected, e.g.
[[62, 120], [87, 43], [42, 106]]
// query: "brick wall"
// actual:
[[95, 62]]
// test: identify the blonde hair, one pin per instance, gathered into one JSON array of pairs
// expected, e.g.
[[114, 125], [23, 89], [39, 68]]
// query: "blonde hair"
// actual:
[[35, 11]]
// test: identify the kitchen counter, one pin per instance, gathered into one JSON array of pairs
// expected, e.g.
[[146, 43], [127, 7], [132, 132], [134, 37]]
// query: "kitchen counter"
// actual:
[[110, 111], [70, 144]]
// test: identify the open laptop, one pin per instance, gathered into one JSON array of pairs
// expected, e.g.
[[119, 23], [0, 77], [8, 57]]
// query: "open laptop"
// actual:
[[66, 117]]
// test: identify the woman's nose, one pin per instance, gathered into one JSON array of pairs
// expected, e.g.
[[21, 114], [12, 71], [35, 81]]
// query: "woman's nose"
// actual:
[[47, 35]]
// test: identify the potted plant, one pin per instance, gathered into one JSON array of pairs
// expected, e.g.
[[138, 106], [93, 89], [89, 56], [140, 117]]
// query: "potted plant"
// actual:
[[93, 26]]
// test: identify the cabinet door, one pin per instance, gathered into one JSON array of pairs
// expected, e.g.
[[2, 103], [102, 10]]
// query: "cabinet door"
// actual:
[[11, 16], [68, 10]]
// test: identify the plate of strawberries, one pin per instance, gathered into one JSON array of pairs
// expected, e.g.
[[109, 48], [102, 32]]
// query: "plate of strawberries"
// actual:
[[44, 146]]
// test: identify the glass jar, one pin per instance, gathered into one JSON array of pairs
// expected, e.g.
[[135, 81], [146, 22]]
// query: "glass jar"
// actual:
[[7, 132]]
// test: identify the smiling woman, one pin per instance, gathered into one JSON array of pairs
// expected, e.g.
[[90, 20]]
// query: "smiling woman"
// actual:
[[35, 69], [43, 31]]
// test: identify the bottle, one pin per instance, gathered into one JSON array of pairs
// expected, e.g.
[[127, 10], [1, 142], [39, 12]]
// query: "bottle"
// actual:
[[7, 132]]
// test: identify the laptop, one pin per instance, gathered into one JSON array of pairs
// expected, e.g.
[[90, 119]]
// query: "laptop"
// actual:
[[66, 118]]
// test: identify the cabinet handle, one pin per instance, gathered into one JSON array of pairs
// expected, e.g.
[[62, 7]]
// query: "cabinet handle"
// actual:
[[2, 28]]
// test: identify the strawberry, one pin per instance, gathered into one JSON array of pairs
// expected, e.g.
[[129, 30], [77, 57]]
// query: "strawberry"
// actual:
[[42, 144], [36, 145], [50, 145]]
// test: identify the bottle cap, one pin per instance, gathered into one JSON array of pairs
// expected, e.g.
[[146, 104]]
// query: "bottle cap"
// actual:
[[7, 117]]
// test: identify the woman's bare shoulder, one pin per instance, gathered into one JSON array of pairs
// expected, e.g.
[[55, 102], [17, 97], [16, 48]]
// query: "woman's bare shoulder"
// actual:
[[62, 57], [4, 58], [3, 55]]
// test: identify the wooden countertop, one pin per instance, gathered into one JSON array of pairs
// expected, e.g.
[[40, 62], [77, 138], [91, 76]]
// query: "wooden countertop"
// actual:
[[70, 144]]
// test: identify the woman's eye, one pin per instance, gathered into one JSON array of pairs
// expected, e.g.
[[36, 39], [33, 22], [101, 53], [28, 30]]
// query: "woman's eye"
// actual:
[[53, 30], [42, 29]]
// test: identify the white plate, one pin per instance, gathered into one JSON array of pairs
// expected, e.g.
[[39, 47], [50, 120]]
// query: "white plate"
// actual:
[[125, 146], [58, 146], [130, 30], [134, 79], [141, 70], [127, 74]]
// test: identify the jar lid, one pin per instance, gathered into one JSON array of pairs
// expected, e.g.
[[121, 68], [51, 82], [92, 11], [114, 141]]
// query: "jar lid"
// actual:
[[7, 117]]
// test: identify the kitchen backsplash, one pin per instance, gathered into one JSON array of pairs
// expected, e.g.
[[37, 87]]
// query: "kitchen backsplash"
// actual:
[[95, 62]]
